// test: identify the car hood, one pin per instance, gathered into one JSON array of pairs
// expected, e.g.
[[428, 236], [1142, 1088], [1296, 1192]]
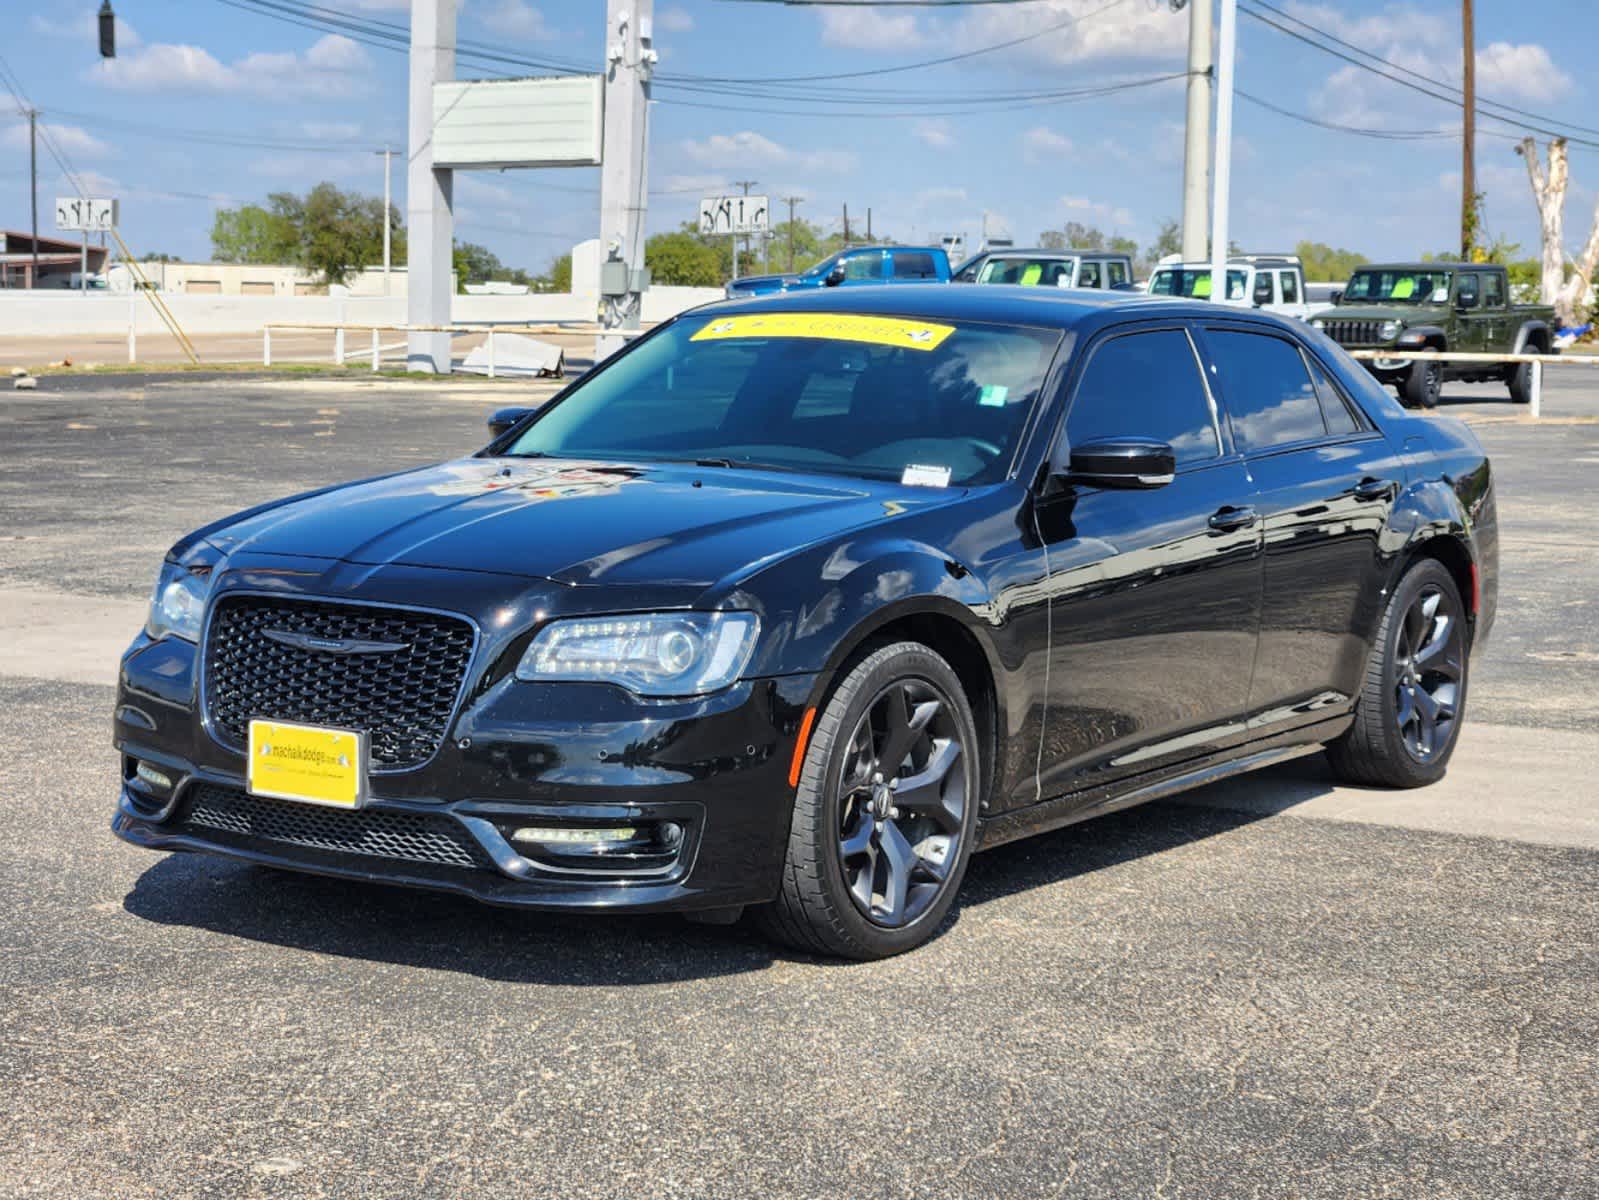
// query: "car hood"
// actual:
[[1407, 314], [751, 283], [570, 521]]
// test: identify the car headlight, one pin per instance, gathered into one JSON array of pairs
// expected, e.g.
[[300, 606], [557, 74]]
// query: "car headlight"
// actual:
[[1389, 330], [1318, 324], [178, 604], [652, 654]]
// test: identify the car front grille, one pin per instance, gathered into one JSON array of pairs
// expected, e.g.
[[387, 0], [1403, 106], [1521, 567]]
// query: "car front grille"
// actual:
[[394, 673], [238, 817], [1353, 333]]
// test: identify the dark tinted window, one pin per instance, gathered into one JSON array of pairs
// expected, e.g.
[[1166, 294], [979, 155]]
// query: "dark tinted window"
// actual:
[[1118, 273], [1333, 408], [1145, 385], [1088, 275], [914, 266], [1467, 287], [1267, 389], [1493, 290]]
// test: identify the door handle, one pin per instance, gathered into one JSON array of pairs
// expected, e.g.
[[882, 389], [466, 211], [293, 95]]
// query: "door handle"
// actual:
[[1370, 489], [1227, 518]]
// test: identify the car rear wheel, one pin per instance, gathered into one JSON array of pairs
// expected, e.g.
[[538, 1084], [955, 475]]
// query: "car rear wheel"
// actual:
[[885, 813], [1424, 384], [1408, 715]]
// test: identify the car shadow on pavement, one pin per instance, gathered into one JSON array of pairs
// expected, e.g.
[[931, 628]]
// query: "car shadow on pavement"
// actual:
[[407, 927]]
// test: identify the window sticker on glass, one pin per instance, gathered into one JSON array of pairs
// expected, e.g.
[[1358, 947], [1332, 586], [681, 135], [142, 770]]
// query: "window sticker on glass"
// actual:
[[843, 327], [917, 475], [993, 395]]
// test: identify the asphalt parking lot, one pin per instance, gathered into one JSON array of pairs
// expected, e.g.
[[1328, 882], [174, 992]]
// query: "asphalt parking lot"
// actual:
[[1273, 988]]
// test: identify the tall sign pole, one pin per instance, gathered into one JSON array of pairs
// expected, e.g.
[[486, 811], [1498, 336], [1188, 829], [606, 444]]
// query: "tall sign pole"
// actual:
[[388, 192], [624, 186], [429, 192], [33, 180], [1196, 149], [1468, 131], [1224, 148]]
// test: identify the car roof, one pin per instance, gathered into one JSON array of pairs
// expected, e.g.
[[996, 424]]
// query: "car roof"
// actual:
[[885, 246], [1066, 252], [1428, 266], [1050, 308]]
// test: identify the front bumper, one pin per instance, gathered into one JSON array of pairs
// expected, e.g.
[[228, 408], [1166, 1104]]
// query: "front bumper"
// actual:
[[713, 770]]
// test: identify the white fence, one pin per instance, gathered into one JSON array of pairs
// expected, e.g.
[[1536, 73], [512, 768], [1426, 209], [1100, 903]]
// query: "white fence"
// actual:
[[1538, 361]]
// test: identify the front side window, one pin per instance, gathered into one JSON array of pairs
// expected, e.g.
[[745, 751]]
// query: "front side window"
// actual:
[[1468, 288], [1145, 385], [1270, 398], [864, 266], [836, 393], [1088, 275]]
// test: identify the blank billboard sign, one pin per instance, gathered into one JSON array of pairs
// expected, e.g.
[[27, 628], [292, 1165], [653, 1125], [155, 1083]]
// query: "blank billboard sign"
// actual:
[[518, 122]]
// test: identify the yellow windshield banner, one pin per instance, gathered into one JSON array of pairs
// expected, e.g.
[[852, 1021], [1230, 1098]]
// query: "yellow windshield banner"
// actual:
[[837, 327]]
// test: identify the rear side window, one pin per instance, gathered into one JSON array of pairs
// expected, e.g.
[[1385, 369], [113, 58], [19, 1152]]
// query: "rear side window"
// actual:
[[1268, 391], [914, 266], [1289, 283], [1334, 410], [1145, 385], [1117, 272], [1493, 291]]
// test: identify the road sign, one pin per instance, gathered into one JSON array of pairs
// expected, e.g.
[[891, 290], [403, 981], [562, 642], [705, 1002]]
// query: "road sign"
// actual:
[[85, 214], [733, 215]]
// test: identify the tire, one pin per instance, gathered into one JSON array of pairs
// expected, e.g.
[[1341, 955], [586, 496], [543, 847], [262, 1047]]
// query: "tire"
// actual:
[[1389, 744], [1424, 384], [1519, 378], [853, 824]]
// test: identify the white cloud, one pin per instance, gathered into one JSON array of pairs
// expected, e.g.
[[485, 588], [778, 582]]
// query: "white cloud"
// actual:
[[748, 150], [865, 28], [328, 131], [935, 133], [1128, 32], [472, 187], [1081, 207], [1520, 72], [673, 20], [513, 18], [929, 197], [1042, 144], [72, 140], [332, 66]]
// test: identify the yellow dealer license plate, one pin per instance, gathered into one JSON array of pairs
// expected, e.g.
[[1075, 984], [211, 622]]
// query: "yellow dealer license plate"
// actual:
[[308, 763]]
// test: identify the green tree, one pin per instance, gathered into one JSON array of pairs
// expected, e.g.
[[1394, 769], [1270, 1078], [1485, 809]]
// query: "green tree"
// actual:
[[330, 232], [1169, 240], [1324, 264], [682, 259], [252, 234]]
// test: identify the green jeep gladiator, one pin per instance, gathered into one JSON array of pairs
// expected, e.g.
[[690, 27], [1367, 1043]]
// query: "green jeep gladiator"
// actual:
[[1445, 306]]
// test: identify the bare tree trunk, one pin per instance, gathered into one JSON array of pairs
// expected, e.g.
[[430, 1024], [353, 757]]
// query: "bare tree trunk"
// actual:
[[1549, 193], [1573, 297]]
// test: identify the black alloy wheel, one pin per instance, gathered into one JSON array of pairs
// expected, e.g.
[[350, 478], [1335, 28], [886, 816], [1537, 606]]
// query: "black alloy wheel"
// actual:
[[1428, 668], [1409, 712], [902, 802], [885, 815], [1424, 384]]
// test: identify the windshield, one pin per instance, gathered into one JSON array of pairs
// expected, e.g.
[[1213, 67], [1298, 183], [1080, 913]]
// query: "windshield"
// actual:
[[823, 267], [1027, 272], [1179, 281], [1398, 287], [876, 397]]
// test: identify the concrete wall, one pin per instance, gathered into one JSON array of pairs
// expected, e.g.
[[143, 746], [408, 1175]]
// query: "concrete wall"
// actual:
[[43, 313]]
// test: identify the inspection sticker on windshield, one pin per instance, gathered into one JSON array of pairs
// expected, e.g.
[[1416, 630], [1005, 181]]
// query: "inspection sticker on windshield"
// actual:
[[993, 395], [917, 475], [838, 327]]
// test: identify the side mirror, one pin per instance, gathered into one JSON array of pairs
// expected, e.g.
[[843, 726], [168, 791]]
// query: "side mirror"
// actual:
[[835, 276], [1123, 462], [1337, 296], [504, 418]]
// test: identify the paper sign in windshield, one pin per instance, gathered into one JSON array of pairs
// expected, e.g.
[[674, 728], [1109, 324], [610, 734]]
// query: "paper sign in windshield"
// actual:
[[837, 327], [917, 475]]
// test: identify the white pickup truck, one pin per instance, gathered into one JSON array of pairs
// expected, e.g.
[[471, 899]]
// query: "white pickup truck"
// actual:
[[1274, 282]]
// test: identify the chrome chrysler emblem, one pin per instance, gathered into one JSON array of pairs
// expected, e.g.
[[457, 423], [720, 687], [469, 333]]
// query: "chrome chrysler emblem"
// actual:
[[305, 641]]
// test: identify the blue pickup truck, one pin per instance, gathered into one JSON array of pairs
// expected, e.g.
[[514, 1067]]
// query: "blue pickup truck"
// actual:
[[857, 264]]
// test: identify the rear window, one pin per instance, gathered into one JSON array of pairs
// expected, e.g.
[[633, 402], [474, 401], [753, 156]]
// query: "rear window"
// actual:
[[838, 393]]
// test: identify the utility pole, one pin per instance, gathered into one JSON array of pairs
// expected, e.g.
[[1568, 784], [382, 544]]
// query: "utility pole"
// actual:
[[1224, 149], [868, 226], [429, 191], [1196, 148], [624, 186], [33, 177], [791, 201], [846, 224], [1468, 130], [746, 184], [388, 162]]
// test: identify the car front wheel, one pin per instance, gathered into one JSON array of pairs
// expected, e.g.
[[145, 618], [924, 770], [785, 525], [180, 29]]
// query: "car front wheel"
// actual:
[[1407, 718], [885, 813], [1424, 384]]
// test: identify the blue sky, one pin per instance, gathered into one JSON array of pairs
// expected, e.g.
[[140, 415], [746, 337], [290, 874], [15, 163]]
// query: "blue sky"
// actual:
[[144, 127]]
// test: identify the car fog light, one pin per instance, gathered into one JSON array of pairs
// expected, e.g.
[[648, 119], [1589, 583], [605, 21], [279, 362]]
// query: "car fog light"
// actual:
[[566, 835], [159, 780]]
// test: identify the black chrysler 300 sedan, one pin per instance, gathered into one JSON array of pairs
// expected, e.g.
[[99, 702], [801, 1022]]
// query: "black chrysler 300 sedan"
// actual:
[[798, 601]]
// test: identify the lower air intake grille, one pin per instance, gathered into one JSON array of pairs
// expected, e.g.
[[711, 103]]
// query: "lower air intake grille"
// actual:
[[410, 837], [1353, 333]]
